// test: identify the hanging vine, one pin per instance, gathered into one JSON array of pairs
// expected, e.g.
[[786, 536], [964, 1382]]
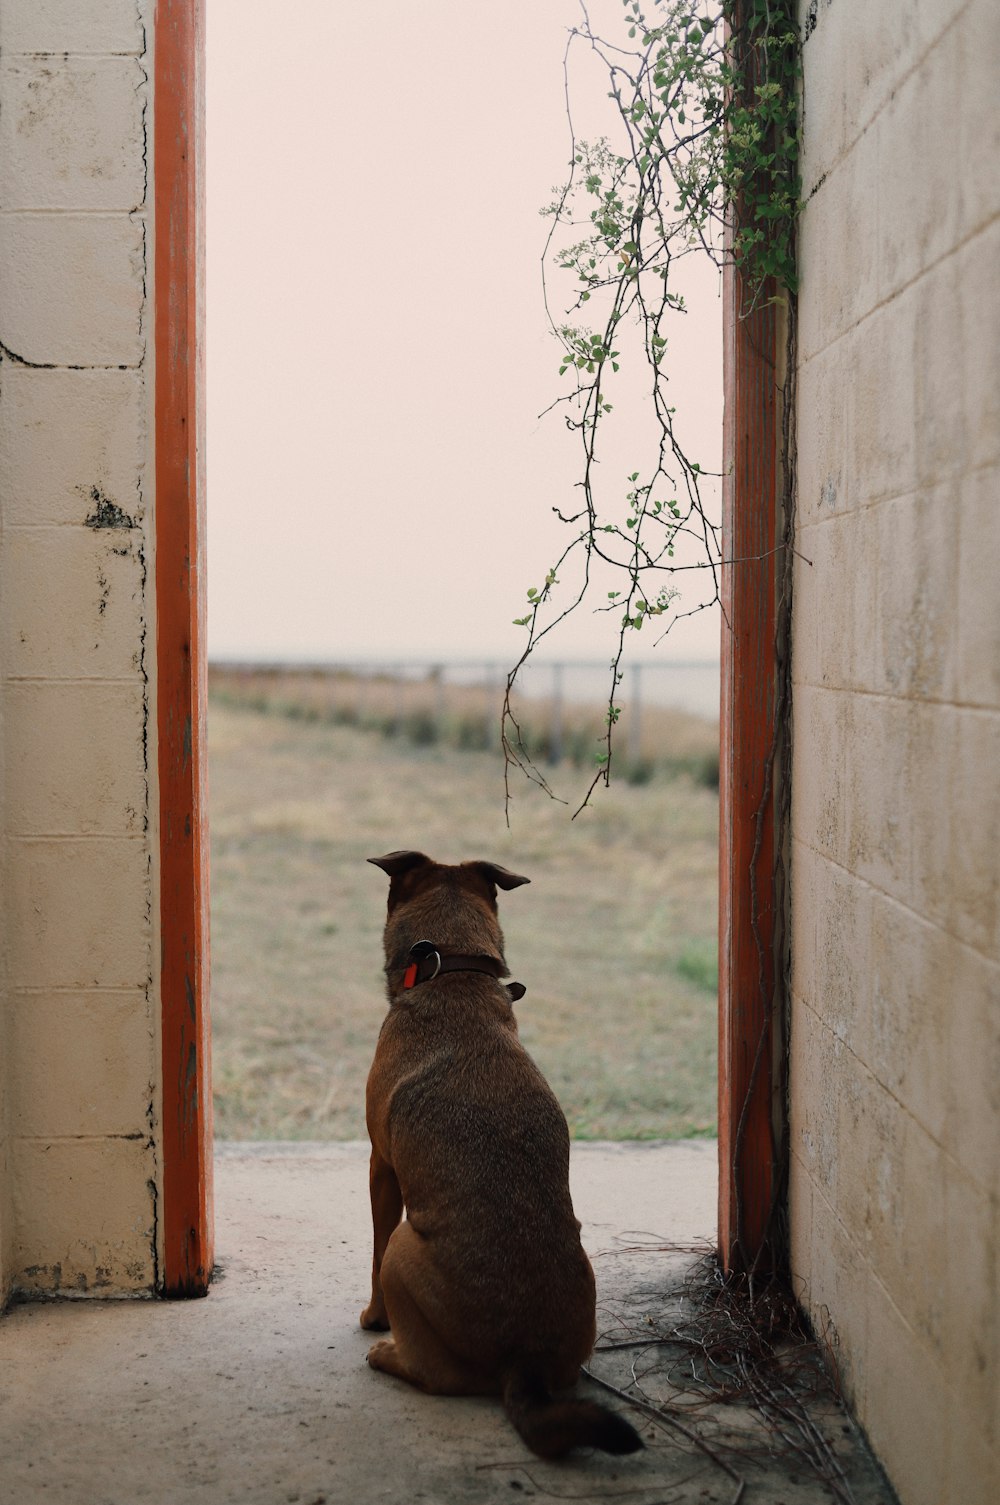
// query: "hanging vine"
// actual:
[[705, 163]]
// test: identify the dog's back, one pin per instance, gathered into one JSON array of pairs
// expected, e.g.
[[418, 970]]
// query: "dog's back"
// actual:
[[492, 1268], [481, 1149]]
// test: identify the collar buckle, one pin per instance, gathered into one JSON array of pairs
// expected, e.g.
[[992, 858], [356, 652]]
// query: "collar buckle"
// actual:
[[420, 954]]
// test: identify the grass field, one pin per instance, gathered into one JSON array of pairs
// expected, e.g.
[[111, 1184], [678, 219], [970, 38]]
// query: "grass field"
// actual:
[[614, 939], [427, 710]]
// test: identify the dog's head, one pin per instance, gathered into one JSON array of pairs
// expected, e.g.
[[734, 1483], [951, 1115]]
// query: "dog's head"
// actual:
[[454, 906]]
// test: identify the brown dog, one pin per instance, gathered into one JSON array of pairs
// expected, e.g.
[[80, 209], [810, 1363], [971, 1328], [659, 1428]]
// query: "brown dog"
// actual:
[[485, 1285]]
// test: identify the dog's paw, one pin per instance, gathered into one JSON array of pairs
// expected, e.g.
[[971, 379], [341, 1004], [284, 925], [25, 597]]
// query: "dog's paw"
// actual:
[[381, 1355], [374, 1319]]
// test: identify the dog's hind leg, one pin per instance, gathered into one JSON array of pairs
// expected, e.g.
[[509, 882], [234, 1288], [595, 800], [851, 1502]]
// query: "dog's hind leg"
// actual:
[[417, 1352]]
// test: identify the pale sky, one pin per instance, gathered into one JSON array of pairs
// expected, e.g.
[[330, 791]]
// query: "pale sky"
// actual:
[[379, 482]]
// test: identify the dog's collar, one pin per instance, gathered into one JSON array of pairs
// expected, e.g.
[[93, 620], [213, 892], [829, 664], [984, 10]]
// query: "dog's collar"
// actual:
[[425, 962]]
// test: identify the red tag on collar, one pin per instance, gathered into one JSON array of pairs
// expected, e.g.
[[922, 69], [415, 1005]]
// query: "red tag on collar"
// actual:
[[410, 976]]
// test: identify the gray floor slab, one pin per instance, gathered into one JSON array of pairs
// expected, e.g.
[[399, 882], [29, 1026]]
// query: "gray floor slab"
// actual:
[[260, 1393]]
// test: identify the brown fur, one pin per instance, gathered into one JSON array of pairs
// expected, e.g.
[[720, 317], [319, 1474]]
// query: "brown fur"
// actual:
[[485, 1284]]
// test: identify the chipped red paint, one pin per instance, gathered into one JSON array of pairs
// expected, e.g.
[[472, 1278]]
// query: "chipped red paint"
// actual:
[[747, 1173], [178, 158]]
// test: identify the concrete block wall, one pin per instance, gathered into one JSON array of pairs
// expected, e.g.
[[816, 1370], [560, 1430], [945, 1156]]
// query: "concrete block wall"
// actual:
[[895, 1073], [78, 1013]]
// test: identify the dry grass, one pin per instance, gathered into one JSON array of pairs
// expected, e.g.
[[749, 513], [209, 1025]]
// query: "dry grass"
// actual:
[[614, 939], [428, 710]]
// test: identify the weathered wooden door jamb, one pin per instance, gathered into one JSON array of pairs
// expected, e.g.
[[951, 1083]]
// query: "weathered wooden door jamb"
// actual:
[[751, 1088], [178, 167]]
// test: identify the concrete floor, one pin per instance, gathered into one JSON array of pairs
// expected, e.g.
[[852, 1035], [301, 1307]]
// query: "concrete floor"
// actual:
[[260, 1394]]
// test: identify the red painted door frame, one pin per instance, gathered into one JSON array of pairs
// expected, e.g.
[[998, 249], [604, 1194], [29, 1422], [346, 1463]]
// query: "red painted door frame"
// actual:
[[748, 1172], [178, 180]]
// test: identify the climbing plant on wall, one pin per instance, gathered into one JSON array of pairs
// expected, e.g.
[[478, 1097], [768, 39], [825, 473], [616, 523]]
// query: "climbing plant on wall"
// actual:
[[704, 162]]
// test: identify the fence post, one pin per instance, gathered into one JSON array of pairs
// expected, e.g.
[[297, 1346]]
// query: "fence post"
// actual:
[[556, 715], [635, 715]]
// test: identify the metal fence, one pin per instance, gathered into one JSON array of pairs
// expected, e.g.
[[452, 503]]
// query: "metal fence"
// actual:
[[551, 691]]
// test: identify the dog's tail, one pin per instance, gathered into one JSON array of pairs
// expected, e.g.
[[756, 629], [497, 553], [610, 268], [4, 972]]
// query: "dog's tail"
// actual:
[[551, 1427]]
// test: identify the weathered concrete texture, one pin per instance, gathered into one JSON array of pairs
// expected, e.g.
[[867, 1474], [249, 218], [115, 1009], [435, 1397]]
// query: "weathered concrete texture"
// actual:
[[72, 288], [78, 1007], [895, 1037], [80, 26], [71, 133], [260, 1394]]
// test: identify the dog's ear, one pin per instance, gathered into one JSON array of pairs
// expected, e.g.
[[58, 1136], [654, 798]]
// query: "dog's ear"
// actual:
[[404, 869], [397, 863], [501, 876]]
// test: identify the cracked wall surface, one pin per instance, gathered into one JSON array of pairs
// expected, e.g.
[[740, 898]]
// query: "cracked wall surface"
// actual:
[[895, 1031], [79, 1013]]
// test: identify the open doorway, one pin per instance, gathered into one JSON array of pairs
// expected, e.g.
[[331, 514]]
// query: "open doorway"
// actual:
[[381, 498]]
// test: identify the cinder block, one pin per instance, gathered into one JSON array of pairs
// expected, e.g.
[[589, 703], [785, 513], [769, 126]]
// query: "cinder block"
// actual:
[[819, 776], [977, 671], [977, 147], [6, 1223], [83, 1064], [85, 1215], [911, 1000], [908, 647], [881, 403], [853, 60], [839, 602], [67, 437], [74, 604], [928, 770], [904, 1415], [83, 26], [862, 595], [870, 1149], [878, 781], [75, 759], [822, 630], [933, 19], [917, 179], [971, 1307], [72, 288], [940, 397], [847, 593], [972, 1067], [802, 1078], [808, 881], [969, 899], [72, 133], [842, 984], [821, 435], [973, 1464], [79, 913], [800, 1234], [806, 664], [977, 352], [816, 1061], [838, 1300], [910, 1232], [6, 1220], [839, 272]]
